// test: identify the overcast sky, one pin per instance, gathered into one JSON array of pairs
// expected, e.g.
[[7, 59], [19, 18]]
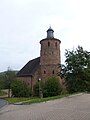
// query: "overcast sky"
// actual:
[[23, 23]]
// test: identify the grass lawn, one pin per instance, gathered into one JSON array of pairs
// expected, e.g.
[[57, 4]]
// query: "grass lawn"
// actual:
[[35, 100]]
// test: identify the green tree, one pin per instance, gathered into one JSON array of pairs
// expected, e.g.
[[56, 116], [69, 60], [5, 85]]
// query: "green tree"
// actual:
[[10, 76], [2, 81], [20, 89], [76, 70], [6, 79]]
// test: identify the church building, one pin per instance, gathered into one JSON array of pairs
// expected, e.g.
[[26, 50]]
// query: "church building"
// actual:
[[46, 65]]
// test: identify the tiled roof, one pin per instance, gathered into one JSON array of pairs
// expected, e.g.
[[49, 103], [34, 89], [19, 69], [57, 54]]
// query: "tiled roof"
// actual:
[[30, 68]]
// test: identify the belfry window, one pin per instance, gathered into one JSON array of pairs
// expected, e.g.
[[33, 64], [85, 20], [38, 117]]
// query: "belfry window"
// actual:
[[44, 72], [53, 71], [48, 44], [55, 44]]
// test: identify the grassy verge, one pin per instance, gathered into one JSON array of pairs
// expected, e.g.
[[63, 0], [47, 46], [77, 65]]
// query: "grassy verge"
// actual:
[[15, 100], [38, 100], [35, 100]]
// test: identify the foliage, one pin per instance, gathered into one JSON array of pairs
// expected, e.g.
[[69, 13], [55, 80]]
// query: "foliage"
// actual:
[[52, 87], [2, 81], [36, 89], [2, 93], [10, 77], [6, 78], [20, 89], [39, 86], [76, 70]]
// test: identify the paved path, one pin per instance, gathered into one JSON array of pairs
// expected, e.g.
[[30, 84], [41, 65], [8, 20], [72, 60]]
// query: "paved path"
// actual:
[[2, 102], [70, 108]]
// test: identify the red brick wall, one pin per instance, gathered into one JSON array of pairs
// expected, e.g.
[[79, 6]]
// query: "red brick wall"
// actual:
[[31, 80]]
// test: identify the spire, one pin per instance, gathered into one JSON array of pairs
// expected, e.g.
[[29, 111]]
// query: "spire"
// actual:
[[50, 32]]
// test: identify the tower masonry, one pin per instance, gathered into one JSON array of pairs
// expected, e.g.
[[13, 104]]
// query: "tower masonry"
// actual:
[[45, 66], [50, 55]]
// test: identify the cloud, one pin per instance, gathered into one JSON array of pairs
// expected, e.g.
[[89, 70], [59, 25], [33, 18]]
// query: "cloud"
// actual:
[[23, 23]]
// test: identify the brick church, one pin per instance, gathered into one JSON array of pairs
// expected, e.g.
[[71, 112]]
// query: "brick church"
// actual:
[[44, 66]]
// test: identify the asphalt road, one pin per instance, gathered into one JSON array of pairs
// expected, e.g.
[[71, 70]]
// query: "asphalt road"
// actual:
[[75, 107], [2, 102]]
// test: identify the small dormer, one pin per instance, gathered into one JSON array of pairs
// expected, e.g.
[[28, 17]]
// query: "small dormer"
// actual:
[[50, 33]]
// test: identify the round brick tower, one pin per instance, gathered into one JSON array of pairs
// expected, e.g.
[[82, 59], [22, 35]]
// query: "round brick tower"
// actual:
[[49, 55]]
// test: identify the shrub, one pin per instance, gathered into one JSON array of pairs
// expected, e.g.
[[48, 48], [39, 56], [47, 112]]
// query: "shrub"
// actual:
[[52, 87], [19, 89], [39, 86], [36, 89]]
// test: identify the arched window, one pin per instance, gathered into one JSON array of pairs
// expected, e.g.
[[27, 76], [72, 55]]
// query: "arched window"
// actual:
[[44, 72], [53, 71], [55, 44], [48, 44]]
